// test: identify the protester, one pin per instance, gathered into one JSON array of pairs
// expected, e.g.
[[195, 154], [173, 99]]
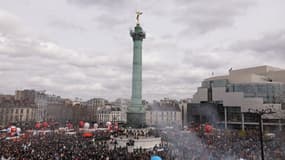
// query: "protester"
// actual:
[[58, 146], [176, 145], [227, 145]]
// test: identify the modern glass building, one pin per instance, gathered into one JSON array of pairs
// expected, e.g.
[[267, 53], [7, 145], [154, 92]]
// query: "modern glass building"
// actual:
[[232, 96]]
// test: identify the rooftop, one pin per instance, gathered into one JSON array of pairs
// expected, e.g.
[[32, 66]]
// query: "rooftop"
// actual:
[[258, 74], [163, 107]]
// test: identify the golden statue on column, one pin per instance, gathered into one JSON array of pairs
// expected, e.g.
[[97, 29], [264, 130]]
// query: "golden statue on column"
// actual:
[[138, 16]]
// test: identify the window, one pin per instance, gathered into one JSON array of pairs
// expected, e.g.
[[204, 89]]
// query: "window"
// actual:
[[283, 106], [6, 118], [250, 117], [156, 117], [271, 93], [270, 120]]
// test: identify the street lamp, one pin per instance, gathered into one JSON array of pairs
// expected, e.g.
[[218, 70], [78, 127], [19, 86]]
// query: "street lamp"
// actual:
[[260, 113]]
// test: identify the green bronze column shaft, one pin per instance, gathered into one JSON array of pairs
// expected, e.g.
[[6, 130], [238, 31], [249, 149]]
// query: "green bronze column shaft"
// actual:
[[137, 70], [136, 112]]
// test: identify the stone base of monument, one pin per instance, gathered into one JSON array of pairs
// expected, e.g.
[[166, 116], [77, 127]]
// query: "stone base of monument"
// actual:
[[144, 143], [136, 120]]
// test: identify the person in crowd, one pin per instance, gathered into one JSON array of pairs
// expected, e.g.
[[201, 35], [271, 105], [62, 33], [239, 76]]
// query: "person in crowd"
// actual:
[[176, 145]]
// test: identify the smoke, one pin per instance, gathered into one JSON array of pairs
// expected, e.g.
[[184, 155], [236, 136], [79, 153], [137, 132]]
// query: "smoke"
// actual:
[[204, 113], [188, 145]]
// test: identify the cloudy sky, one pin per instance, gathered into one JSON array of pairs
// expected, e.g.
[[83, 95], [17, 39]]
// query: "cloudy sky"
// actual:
[[82, 48]]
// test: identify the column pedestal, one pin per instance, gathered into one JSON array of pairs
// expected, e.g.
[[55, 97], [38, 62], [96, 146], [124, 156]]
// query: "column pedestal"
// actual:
[[136, 120]]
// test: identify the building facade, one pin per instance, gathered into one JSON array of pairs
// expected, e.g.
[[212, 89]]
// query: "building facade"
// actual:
[[16, 112], [164, 115], [39, 98], [59, 109], [110, 113], [36, 106], [92, 106], [232, 97]]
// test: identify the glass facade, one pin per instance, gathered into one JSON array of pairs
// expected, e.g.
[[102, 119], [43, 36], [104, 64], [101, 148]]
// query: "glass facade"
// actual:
[[234, 114], [250, 117], [270, 92], [204, 112]]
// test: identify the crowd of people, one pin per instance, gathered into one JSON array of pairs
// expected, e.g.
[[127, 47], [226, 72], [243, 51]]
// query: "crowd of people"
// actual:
[[176, 145], [60, 146], [65, 147], [224, 145]]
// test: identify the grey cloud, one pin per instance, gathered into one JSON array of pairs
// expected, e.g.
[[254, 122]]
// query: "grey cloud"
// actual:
[[24, 47], [45, 65], [107, 21], [271, 44], [66, 25], [196, 16], [168, 70], [204, 16], [206, 60], [102, 3], [72, 73], [171, 79], [9, 24]]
